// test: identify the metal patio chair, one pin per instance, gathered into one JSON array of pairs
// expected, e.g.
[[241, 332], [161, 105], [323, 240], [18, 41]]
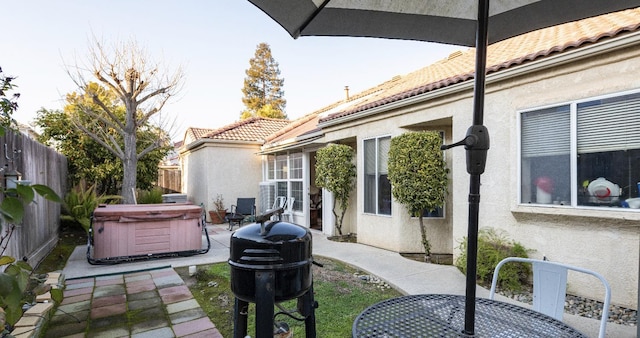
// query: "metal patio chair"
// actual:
[[243, 211], [279, 203], [288, 211], [550, 287]]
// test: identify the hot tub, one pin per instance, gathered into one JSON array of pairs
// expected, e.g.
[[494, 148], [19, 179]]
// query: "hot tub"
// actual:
[[126, 231]]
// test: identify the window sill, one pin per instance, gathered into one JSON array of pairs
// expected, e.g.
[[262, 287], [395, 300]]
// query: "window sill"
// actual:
[[623, 214]]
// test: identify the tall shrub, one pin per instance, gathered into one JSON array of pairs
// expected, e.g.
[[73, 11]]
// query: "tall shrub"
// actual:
[[336, 172], [418, 175]]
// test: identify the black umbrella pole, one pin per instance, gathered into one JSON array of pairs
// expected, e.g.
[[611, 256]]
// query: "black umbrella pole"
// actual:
[[476, 160], [472, 254]]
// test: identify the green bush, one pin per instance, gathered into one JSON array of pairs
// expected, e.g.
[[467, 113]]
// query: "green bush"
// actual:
[[81, 201], [153, 196], [494, 246], [419, 176], [336, 172]]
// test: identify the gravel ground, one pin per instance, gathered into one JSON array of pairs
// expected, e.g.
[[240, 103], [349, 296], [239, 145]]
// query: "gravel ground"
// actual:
[[585, 307]]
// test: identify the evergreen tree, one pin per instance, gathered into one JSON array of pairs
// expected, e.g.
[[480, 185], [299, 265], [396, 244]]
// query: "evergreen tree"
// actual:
[[263, 94]]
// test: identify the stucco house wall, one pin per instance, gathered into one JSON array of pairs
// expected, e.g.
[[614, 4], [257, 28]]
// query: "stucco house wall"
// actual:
[[598, 238], [399, 231], [602, 239], [215, 167]]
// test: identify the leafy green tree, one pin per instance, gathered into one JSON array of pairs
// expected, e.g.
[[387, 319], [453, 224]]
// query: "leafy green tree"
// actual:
[[8, 102], [142, 89], [262, 92], [418, 175], [88, 160], [336, 172]]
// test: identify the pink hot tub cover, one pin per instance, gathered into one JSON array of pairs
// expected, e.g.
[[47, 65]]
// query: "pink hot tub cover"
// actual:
[[123, 230]]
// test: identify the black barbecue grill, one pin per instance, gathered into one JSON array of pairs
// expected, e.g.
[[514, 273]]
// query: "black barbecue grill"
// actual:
[[271, 263]]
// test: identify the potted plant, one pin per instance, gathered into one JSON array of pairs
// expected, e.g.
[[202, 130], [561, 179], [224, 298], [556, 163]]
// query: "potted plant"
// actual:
[[219, 212]]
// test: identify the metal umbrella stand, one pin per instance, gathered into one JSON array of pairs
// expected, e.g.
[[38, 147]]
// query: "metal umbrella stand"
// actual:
[[442, 22]]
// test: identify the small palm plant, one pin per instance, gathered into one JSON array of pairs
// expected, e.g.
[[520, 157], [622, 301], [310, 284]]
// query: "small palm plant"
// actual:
[[81, 201]]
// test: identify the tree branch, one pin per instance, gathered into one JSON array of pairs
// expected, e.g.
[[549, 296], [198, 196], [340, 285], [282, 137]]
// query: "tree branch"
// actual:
[[153, 111], [114, 123], [117, 151], [98, 117], [150, 148]]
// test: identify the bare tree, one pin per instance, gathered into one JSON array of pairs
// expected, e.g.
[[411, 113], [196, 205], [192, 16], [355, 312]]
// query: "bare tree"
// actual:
[[141, 86]]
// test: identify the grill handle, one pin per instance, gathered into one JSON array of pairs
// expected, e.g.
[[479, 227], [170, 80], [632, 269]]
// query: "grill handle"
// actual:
[[265, 217]]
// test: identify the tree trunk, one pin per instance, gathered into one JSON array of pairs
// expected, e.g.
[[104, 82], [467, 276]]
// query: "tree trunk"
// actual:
[[129, 166], [338, 219], [425, 241]]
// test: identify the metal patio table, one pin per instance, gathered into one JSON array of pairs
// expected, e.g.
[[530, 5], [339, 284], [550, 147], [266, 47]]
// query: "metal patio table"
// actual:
[[435, 315]]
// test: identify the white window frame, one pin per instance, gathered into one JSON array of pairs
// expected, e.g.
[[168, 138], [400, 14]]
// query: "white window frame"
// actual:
[[573, 107], [377, 186], [282, 174]]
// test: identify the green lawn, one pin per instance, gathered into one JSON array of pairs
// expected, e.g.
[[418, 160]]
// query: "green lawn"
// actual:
[[340, 293]]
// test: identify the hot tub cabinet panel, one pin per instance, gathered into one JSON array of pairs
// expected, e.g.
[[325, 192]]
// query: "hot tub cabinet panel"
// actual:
[[135, 230]]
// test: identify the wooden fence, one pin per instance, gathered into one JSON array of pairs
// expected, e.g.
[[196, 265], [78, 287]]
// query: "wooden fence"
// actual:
[[170, 179], [38, 234]]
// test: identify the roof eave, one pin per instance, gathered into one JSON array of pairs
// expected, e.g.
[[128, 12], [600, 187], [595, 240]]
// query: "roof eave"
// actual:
[[298, 142], [606, 46], [204, 141]]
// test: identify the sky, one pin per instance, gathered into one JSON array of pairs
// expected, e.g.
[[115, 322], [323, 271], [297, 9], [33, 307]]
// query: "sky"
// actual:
[[211, 40]]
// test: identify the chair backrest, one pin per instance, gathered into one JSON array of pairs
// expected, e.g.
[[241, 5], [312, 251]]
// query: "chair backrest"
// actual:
[[288, 211], [245, 206], [289, 208], [550, 287], [279, 202]]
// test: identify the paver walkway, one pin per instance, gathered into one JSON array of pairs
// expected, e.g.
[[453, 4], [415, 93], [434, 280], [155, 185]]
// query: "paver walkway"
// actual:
[[159, 304], [152, 303]]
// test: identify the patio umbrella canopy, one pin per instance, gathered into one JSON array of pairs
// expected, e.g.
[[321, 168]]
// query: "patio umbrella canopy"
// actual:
[[450, 22], [458, 22]]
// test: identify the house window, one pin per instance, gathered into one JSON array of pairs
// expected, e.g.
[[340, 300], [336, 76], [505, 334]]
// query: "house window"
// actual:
[[295, 173], [288, 176], [584, 153], [377, 188], [282, 170], [296, 193], [271, 167], [295, 161]]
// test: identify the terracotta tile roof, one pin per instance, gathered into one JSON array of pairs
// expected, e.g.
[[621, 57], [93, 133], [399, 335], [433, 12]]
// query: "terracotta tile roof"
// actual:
[[309, 122], [459, 66], [193, 133], [252, 129], [295, 128]]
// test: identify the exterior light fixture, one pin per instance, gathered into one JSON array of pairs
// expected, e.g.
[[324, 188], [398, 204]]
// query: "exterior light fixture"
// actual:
[[12, 179]]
